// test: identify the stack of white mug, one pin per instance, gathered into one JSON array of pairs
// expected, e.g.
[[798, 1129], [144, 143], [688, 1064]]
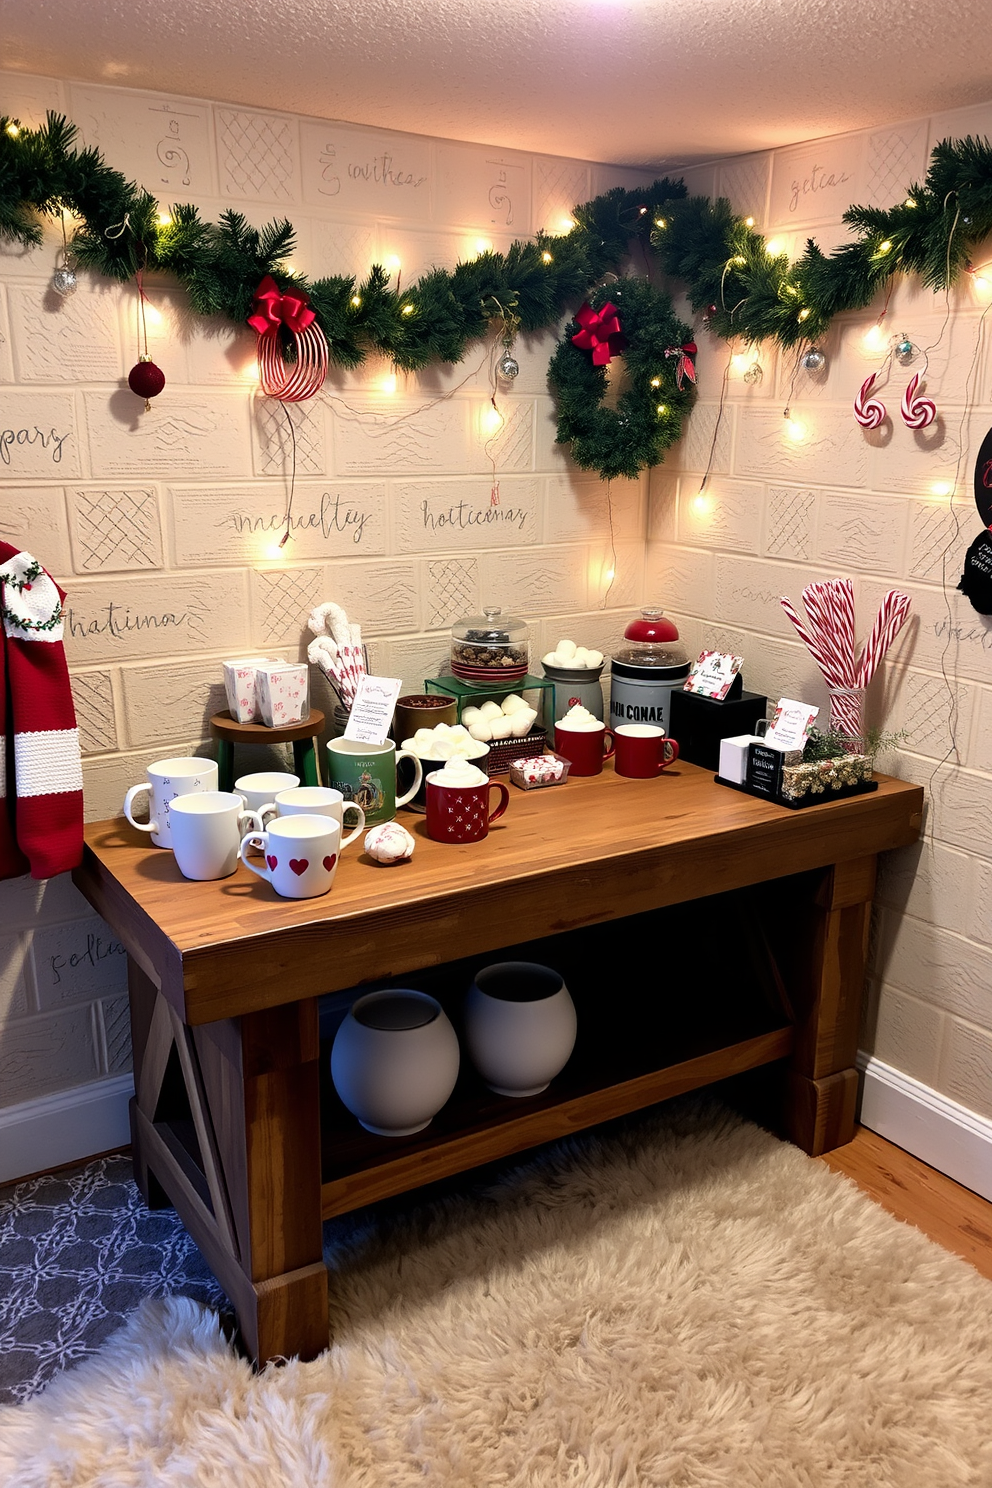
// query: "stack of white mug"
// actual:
[[298, 830]]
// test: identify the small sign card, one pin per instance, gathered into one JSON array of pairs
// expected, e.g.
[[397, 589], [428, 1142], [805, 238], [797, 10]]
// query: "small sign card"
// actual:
[[791, 725], [713, 674], [373, 708]]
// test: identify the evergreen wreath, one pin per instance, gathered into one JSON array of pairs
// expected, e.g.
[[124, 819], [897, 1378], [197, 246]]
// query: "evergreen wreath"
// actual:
[[648, 416], [746, 292]]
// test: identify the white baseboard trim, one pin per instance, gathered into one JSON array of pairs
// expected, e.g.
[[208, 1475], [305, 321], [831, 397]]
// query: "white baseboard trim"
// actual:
[[64, 1128], [933, 1128]]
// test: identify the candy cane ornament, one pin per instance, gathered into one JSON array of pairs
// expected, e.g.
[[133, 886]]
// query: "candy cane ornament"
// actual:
[[271, 311], [917, 413], [868, 411]]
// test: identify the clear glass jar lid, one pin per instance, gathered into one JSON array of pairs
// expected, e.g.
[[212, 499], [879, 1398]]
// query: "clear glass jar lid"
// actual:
[[491, 628]]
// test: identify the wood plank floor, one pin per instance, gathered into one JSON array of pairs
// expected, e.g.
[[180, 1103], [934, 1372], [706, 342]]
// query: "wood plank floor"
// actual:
[[953, 1216]]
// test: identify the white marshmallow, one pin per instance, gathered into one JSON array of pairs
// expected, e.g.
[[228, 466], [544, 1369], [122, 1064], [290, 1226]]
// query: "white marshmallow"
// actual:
[[481, 730], [566, 649], [522, 720], [471, 715], [491, 710], [594, 658], [512, 703], [502, 727]]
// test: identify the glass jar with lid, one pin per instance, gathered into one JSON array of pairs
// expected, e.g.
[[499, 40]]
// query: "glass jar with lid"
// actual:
[[646, 670], [489, 648]]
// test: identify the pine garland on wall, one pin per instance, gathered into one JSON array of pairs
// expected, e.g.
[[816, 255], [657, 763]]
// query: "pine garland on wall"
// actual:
[[745, 291]]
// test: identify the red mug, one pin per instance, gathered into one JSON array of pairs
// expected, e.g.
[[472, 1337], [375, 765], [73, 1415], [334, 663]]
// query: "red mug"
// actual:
[[643, 750], [460, 813], [585, 747]]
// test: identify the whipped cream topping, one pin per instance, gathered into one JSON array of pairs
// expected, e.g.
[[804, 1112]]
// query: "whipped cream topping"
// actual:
[[578, 717], [458, 772]]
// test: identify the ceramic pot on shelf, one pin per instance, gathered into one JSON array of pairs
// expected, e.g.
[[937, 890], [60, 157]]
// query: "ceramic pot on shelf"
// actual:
[[394, 1061], [519, 1026]]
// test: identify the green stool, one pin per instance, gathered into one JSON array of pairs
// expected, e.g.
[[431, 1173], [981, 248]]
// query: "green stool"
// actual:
[[303, 737]]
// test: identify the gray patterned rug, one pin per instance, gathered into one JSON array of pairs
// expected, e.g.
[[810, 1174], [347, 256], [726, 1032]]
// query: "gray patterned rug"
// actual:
[[78, 1253]]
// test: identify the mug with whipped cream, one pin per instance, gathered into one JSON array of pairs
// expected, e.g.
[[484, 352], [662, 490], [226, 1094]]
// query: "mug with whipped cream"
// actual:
[[459, 800], [581, 738]]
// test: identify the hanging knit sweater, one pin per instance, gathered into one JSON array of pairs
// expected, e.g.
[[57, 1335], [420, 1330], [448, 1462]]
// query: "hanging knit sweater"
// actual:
[[41, 778]]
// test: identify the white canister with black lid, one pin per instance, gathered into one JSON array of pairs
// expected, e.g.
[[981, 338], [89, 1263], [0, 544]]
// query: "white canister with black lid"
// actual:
[[646, 671]]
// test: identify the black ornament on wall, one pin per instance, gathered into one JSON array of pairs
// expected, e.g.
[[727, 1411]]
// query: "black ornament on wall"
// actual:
[[976, 581]]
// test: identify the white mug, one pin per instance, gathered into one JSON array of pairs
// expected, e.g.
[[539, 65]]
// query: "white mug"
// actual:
[[314, 800], [167, 780], [262, 788], [207, 828], [300, 855]]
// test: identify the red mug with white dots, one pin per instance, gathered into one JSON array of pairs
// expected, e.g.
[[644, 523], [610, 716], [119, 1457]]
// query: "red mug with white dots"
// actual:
[[300, 855], [459, 812]]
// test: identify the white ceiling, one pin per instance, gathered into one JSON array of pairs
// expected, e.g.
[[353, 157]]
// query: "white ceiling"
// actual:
[[641, 82]]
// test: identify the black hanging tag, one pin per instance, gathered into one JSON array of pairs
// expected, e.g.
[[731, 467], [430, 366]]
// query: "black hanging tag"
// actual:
[[976, 581]]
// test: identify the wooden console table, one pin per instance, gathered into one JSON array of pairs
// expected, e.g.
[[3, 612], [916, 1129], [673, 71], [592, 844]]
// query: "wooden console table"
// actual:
[[225, 977]]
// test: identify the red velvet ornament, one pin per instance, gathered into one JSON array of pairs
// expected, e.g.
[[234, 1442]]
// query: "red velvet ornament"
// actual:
[[146, 379]]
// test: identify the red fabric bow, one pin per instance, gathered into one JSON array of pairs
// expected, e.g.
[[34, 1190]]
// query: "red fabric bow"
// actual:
[[683, 367], [273, 308], [600, 333]]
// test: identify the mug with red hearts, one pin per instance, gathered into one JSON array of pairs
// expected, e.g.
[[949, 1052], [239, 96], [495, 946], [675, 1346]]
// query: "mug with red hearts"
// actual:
[[643, 750], [300, 855]]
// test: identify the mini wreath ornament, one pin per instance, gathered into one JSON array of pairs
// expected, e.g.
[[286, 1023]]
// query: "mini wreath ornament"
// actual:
[[272, 310], [647, 420]]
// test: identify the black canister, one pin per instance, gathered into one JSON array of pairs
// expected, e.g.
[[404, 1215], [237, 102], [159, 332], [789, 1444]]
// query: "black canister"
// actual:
[[646, 671]]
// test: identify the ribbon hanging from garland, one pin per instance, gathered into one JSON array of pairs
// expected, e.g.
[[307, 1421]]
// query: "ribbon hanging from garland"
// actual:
[[684, 368], [600, 333], [272, 310]]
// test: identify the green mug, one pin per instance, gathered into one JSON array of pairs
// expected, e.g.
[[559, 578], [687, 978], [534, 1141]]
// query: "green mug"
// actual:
[[366, 774]]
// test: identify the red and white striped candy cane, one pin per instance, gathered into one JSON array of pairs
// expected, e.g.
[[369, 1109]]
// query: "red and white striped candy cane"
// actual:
[[869, 412], [299, 380], [889, 621], [917, 412]]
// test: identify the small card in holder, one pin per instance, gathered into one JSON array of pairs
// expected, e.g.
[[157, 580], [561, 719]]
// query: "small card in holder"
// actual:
[[716, 675]]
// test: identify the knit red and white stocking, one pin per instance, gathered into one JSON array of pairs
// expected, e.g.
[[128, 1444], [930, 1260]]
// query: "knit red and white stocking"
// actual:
[[41, 817]]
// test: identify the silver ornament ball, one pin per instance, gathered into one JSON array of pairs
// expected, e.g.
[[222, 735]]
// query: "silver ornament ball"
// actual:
[[814, 360], [754, 373], [507, 366], [904, 350], [64, 282]]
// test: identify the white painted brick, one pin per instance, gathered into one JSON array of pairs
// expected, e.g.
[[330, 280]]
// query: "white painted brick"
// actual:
[[943, 970], [907, 1035], [451, 591], [776, 668], [27, 902], [921, 462], [693, 452], [161, 141], [744, 182], [625, 561], [662, 502], [39, 437], [162, 703], [77, 962], [979, 900], [510, 445], [116, 1018], [257, 155], [726, 515], [274, 441], [816, 182], [380, 438], [281, 600], [35, 263], [680, 578], [861, 532], [244, 524], [975, 119], [33, 517], [484, 187], [966, 1058], [895, 158], [53, 1051], [15, 998], [414, 659], [58, 340], [381, 597], [181, 435], [219, 353], [549, 455], [933, 883], [979, 753], [419, 252], [29, 98], [924, 705], [961, 808], [790, 523], [831, 452], [536, 583], [6, 359], [93, 696], [115, 530], [559, 185], [749, 592], [366, 171], [449, 516], [580, 510], [121, 619], [943, 629], [605, 177], [345, 246], [939, 536]]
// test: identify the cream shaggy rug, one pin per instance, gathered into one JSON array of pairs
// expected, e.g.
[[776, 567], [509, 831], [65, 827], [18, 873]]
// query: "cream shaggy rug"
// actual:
[[685, 1303]]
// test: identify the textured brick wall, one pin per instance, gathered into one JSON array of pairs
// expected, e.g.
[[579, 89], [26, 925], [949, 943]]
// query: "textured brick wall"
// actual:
[[876, 507], [162, 525]]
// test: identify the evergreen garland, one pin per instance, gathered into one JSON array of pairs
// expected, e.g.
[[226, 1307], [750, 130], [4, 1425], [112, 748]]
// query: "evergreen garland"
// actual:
[[745, 291], [648, 416]]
